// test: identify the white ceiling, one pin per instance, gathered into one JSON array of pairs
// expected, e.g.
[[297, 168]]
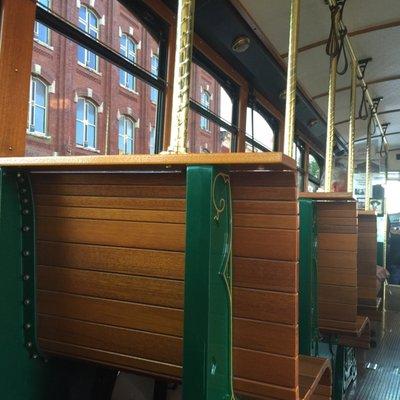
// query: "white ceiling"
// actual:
[[383, 45]]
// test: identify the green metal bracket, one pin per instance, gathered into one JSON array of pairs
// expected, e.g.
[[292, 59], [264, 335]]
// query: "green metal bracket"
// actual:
[[207, 356], [345, 370], [23, 375], [308, 280], [28, 261]]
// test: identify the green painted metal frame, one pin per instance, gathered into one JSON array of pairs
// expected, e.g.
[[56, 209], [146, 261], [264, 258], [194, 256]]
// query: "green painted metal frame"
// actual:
[[207, 356], [308, 280]]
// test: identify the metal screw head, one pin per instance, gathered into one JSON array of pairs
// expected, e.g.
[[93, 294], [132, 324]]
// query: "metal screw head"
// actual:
[[26, 277], [25, 211], [27, 302], [24, 190], [26, 228], [29, 345], [26, 253], [25, 201], [19, 175], [27, 326], [34, 356], [10, 148]]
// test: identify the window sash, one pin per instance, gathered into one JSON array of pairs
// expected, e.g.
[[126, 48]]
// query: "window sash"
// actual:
[[86, 125], [128, 139], [36, 108]]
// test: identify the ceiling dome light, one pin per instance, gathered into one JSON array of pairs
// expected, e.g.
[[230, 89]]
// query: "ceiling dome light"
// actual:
[[241, 44]]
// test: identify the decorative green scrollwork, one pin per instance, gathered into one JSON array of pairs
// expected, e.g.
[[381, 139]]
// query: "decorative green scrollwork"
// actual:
[[207, 365]]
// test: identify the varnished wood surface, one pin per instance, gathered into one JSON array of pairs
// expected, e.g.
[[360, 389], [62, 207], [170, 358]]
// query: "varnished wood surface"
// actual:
[[327, 195], [245, 161], [111, 270], [16, 45]]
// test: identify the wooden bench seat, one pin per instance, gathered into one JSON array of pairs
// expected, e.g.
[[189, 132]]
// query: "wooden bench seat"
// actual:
[[315, 378], [111, 262]]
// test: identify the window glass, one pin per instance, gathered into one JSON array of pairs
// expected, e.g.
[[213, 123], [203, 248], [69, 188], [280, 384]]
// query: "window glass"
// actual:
[[37, 107], [89, 23], [128, 50], [205, 102], [314, 168], [76, 111], [298, 154], [126, 135], [86, 123], [260, 135]]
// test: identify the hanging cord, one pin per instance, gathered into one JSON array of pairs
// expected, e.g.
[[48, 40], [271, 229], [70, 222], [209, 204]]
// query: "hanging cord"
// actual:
[[363, 110], [335, 46]]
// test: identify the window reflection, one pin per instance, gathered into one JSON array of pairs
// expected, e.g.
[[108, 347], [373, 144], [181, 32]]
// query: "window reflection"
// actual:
[[260, 136], [37, 107], [89, 23]]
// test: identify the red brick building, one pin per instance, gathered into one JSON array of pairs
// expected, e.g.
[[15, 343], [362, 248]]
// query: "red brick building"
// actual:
[[82, 105]]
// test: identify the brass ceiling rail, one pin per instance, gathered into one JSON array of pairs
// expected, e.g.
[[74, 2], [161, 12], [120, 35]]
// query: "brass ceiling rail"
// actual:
[[362, 81]]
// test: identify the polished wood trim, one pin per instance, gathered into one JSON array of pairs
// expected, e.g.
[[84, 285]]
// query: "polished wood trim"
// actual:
[[162, 10], [327, 196], [16, 45], [158, 162]]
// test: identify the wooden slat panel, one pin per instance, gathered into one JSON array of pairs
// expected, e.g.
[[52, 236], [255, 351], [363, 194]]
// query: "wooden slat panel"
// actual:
[[122, 314], [340, 241], [112, 214], [338, 221], [151, 346], [333, 259], [111, 202], [163, 264], [147, 179], [270, 244], [113, 233], [266, 221], [265, 207], [341, 294], [265, 274], [265, 306], [264, 193], [138, 289], [264, 179], [337, 276], [335, 311], [337, 229], [247, 365], [263, 336], [112, 190]]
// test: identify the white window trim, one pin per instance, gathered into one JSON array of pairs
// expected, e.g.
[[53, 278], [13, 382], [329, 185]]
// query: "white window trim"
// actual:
[[125, 54], [88, 26], [125, 136], [86, 123], [35, 132]]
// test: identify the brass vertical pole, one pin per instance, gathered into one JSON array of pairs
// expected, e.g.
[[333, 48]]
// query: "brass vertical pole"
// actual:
[[183, 62], [352, 126], [291, 83], [330, 134], [368, 183]]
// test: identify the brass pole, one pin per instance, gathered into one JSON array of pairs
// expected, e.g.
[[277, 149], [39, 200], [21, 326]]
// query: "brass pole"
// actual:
[[368, 183], [291, 83], [183, 62], [330, 134], [352, 126]]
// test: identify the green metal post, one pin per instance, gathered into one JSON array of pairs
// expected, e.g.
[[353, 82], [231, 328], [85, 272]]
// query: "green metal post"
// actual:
[[207, 356], [308, 280], [23, 375]]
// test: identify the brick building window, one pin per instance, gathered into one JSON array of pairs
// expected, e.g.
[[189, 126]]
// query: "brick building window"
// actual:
[[126, 135], [41, 32], [86, 123], [154, 71], [37, 118], [89, 23], [205, 101], [128, 48]]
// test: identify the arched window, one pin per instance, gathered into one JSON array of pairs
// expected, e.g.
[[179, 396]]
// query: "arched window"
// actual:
[[128, 48], [126, 135], [37, 119], [89, 23], [86, 123], [205, 101], [260, 135], [42, 32]]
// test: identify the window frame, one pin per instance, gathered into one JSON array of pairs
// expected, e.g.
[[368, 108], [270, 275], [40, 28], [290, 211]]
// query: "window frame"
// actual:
[[85, 123], [33, 105], [87, 29], [153, 91], [318, 159], [205, 122], [125, 119]]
